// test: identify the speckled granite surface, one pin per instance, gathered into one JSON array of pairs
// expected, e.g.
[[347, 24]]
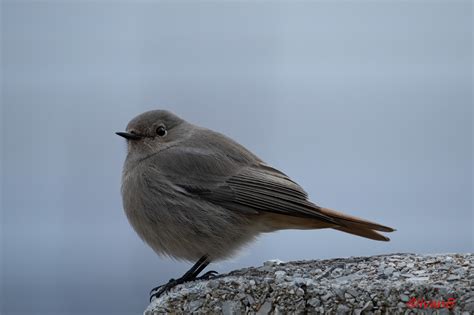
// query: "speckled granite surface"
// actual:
[[388, 284]]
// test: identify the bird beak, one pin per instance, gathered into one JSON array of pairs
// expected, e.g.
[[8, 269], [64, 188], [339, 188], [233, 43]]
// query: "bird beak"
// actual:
[[129, 136]]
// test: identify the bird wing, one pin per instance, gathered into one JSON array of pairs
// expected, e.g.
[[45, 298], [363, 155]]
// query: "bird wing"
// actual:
[[244, 184], [266, 189]]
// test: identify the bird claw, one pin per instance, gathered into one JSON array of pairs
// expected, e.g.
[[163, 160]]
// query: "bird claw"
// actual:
[[173, 282], [159, 292], [190, 275], [163, 288], [208, 275]]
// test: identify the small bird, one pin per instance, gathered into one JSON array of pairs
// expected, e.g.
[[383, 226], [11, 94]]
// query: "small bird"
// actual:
[[194, 194]]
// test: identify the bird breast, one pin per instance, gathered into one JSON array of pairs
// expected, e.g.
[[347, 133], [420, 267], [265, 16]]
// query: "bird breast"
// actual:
[[177, 224]]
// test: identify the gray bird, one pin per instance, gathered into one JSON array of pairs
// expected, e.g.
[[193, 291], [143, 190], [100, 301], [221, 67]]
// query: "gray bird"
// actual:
[[194, 194]]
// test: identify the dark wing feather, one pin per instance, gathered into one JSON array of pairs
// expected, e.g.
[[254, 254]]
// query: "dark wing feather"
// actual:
[[270, 190], [261, 188]]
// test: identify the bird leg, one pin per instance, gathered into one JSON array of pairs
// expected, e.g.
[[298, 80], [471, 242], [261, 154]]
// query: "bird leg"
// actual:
[[190, 275]]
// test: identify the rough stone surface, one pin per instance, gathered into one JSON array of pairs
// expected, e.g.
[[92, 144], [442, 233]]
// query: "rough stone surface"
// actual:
[[385, 284]]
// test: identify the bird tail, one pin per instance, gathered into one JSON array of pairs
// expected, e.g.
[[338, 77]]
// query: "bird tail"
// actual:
[[342, 222], [357, 226]]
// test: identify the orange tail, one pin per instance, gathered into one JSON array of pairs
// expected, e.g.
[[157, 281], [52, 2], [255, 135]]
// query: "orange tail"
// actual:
[[344, 222], [357, 226]]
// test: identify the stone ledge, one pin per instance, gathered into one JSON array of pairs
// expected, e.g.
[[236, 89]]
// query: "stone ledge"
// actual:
[[386, 284]]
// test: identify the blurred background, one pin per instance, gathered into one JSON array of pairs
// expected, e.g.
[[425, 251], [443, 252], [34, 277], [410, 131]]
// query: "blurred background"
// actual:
[[368, 105]]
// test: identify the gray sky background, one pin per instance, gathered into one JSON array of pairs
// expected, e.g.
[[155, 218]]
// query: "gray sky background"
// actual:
[[367, 105]]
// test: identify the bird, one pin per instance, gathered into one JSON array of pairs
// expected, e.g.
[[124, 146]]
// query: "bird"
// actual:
[[194, 194]]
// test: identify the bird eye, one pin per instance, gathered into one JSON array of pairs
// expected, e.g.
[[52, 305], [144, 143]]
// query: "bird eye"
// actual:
[[161, 131]]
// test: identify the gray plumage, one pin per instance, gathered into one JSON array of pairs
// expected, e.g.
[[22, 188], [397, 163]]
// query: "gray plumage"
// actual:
[[190, 192]]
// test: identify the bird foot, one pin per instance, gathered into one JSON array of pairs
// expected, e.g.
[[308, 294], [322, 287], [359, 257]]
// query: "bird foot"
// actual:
[[159, 290], [190, 275]]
